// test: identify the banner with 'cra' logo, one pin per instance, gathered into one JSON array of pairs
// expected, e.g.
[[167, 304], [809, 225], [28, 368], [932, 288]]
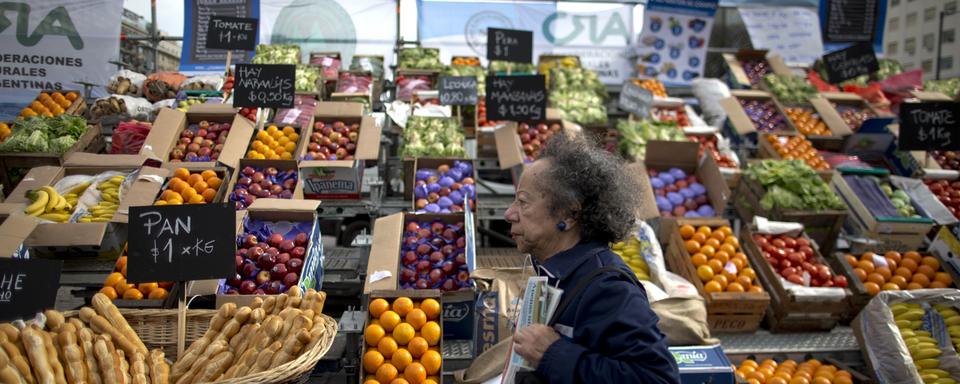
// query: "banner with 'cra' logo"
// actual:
[[51, 44]]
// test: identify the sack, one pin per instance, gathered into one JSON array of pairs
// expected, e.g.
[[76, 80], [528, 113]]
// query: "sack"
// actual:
[[486, 366], [683, 320]]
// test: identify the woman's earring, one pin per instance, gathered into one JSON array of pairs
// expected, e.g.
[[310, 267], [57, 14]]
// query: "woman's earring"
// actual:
[[562, 226]]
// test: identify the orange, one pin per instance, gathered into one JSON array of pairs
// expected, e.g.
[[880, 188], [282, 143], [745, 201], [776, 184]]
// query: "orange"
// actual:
[[927, 271], [146, 288], [699, 238], [876, 278], [718, 234], [110, 292], [866, 266], [389, 320], [921, 279], [401, 358], [884, 271], [377, 307], [724, 257], [913, 255], [431, 308], [913, 286], [402, 305], [415, 373], [373, 333], [207, 174], [201, 186], [799, 380], [158, 294], [715, 265], [371, 361], [754, 381], [399, 380], [182, 174], [900, 281], [196, 199], [386, 372], [777, 380], [872, 288], [930, 261], [749, 272], [712, 286], [705, 273], [852, 260], [739, 263], [726, 230], [732, 241], [187, 193], [722, 280], [909, 264], [756, 289], [193, 179], [431, 362], [750, 362], [208, 195], [842, 380], [904, 272], [713, 243], [758, 375], [177, 185], [416, 318], [432, 380], [893, 255], [705, 230], [937, 284], [890, 287], [112, 279], [708, 250], [160, 202], [698, 259], [744, 281], [214, 183], [387, 346], [417, 346], [692, 246], [735, 287], [166, 194], [728, 248], [686, 231], [132, 294], [431, 333], [402, 333], [943, 277]]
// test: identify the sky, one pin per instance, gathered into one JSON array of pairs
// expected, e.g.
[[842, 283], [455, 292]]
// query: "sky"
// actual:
[[169, 14]]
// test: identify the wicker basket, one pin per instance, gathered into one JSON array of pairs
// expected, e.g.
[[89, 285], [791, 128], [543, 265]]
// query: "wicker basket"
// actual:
[[157, 328]]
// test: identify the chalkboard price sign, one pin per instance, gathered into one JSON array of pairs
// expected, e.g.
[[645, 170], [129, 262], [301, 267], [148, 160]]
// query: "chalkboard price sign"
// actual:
[[458, 90], [516, 98], [264, 86], [635, 100], [929, 126], [855, 60], [181, 242], [233, 33], [509, 45], [27, 286], [850, 21]]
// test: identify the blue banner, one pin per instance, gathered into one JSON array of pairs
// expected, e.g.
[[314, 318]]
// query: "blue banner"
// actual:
[[194, 56]]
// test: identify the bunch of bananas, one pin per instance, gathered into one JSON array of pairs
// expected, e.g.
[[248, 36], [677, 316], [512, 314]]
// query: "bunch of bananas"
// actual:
[[109, 202], [952, 319], [921, 345], [629, 251], [48, 204]]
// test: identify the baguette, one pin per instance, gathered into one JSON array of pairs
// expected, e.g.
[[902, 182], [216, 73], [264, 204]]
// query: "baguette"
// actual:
[[32, 340], [124, 366], [214, 367], [215, 348], [309, 299], [268, 304], [183, 364], [159, 370], [257, 316], [321, 298], [281, 304], [264, 359], [138, 369], [105, 307], [256, 303], [242, 336], [12, 333], [269, 329], [16, 356], [102, 325], [74, 368], [9, 374], [109, 372], [233, 326], [54, 319], [52, 358], [295, 291], [77, 324], [89, 359], [290, 326], [291, 348]]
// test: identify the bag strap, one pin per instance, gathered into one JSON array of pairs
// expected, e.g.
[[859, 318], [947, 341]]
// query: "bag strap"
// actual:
[[583, 283]]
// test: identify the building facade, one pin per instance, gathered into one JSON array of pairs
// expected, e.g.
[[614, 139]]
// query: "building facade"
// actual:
[[912, 34], [138, 54]]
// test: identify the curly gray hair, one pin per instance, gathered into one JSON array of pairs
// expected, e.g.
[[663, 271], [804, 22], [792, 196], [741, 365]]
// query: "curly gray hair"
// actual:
[[590, 185]]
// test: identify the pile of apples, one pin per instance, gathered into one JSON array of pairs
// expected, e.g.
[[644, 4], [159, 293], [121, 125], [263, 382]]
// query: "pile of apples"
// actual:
[[794, 259], [336, 141], [267, 264], [533, 138], [201, 142], [948, 193], [434, 256], [256, 182]]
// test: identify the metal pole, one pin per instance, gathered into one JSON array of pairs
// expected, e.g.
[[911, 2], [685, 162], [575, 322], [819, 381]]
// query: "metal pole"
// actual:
[[154, 36], [940, 42]]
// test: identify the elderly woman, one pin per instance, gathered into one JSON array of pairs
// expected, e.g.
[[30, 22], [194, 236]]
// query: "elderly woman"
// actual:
[[570, 204]]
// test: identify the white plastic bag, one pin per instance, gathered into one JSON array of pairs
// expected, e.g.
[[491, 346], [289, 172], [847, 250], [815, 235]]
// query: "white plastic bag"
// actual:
[[710, 92]]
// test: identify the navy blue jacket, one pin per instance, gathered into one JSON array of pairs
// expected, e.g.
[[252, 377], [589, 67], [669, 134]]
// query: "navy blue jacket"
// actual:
[[614, 336]]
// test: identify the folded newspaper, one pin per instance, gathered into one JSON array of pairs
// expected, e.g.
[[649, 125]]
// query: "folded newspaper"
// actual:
[[540, 301]]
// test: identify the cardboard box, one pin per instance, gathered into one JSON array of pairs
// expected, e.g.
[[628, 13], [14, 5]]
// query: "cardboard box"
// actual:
[[275, 210], [703, 364], [737, 76], [663, 155], [340, 179], [872, 125], [92, 141], [510, 149], [459, 314], [13, 232], [898, 233], [412, 166], [222, 172], [170, 123], [739, 127], [280, 165], [105, 239]]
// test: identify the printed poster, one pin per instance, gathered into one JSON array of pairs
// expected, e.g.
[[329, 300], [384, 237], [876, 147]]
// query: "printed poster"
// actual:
[[791, 32], [673, 44]]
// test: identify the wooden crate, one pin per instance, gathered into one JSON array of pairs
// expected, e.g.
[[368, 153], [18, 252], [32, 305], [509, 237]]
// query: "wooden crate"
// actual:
[[823, 227], [727, 312], [92, 141], [789, 312]]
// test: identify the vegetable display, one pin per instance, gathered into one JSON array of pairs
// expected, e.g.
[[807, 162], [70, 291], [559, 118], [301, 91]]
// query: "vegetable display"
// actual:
[[880, 197], [893, 271], [201, 142], [721, 264], [579, 95], [546, 66], [755, 69], [947, 159], [798, 148], [792, 185], [445, 189], [42, 134], [789, 88], [333, 141], [129, 136], [676, 114], [270, 257], [50, 104], [709, 143], [162, 85], [807, 121], [433, 256], [372, 64], [534, 137], [949, 87], [679, 195], [276, 54], [764, 115], [634, 136], [329, 65], [262, 183], [420, 58], [433, 137], [305, 78], [793, 259], [503, 67]]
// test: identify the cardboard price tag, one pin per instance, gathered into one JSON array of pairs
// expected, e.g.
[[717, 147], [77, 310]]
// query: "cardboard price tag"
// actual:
[[929, 126], [27, 286], [635, 100], [264, 86], [510, 45], [458, 90], [181, 242], [853, 61], [516, 98], [233, 33]]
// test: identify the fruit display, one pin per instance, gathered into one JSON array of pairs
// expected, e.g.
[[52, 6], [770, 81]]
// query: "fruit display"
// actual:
[[500, 67], [403, 340], [792, 184], [50, 104], [276, 54], [420, 58], [104, 210], [274, 143], [894, 271], [333, 141], [190, 187], [947, 192], [5, 131], [635, 134], [45, 134], [854, 116], [923, 348], [202, 141], [249, 113], [182, 105], [262, 183], [534, 137], [789, 372], [270, 257], [797, 147], [433, 256], [407, 85], [951, 318], [880, 197], [807, 121], [579, 95], [716, 255], [329, 65], [764, 115], [115, 286], [756, 70], [46, 203], [679, 195], [227, 85], [468, 61], [676, 114], [433, 137], [631, 254], [789, 89], [710, 143], [794, 259], [350, 82], [446, 189], [947, 159], [653, 85], [305, 78]]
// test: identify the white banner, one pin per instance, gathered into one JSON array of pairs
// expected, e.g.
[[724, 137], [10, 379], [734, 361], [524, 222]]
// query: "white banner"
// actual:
[[51, 44], [791, 32]]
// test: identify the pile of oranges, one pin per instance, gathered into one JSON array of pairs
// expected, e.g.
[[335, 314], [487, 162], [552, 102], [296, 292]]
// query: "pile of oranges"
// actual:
[[186, 187], [807, 121], [789, 372], [403, 342], [894, 271], [721, 266], [798, 148], [115, 285], [653, 85], [274, 143], [5, 131], [49, 105]]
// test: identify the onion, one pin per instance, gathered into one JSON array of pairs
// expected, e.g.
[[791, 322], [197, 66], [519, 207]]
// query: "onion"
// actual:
[[663, 204], [456, 197], [456, 174], [706, 210], [420, 191]]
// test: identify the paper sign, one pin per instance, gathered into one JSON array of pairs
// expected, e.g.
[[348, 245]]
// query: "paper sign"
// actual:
[[458, 90], [635, 100], [182, 242], [232, 33], [27, 286], [929, 126], [851, 62], [791, 32], [264, 86], [516, 98], [509, 45], [673, 44]]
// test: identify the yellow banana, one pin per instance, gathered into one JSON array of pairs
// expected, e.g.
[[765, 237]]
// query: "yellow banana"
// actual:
[[948, 313], [57, 217], [61, 204], [928, 353], [945, 380], [938, 372], [911, 315], [927, 363], [904, 324], [79, 188], [39, 203], [898, 309], [85, 219], [922, 333], [106, 185], [929, 378], [100, 220], [952, 321]]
